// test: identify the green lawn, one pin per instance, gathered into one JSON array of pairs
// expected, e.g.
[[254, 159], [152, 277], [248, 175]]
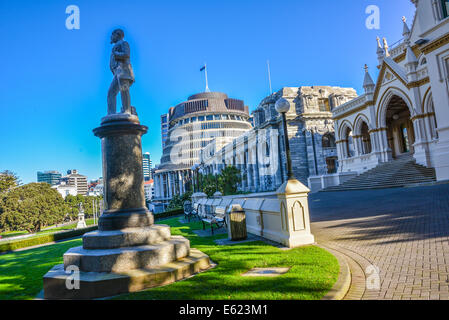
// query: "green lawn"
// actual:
[[313, 271]]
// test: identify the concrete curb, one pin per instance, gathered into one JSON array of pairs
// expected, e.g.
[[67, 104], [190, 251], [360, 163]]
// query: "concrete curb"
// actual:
[[343, 284], [356, 264]]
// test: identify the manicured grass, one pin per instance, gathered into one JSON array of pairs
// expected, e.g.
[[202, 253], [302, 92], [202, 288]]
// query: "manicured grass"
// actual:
[[9, 234], [313, 271], [21, 272]]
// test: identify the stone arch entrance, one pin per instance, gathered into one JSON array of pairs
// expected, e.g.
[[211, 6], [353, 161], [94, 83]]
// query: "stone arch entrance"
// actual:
[[349, 143], [366, 139], [400, 131]]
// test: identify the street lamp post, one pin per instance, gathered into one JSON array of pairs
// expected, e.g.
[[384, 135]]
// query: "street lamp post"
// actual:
[[200, 179], [283, 106], [195, 177], [313, 131]]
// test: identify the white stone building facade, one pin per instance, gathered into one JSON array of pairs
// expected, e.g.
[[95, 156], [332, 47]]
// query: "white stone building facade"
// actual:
[[260, 155], [406, 112]]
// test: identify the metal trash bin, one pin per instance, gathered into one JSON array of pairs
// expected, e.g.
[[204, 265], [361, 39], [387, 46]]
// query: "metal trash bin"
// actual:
[[236, 223]]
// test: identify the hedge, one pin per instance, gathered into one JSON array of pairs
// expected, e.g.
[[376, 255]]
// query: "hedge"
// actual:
[[34, 241], [168, 214]]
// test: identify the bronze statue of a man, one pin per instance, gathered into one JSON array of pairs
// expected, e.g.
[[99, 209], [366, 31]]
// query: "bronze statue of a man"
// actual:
[[123, 73]]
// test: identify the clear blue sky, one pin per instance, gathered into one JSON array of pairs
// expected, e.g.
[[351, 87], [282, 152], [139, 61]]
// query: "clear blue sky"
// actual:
[[55, 81]]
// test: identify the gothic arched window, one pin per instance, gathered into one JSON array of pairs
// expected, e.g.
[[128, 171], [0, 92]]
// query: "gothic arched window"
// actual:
[[329, 140]]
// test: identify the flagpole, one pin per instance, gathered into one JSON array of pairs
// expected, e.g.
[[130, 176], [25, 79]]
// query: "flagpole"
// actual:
[[207, 84], [269, 76]]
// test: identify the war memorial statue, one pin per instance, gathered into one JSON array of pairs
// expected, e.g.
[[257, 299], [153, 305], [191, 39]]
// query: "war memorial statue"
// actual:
[[128, 252], [122, 70]]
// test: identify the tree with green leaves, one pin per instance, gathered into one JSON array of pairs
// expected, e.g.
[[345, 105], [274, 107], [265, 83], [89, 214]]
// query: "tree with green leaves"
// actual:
[[31, 207], [8, 180], [228, 180], [73, 205], [209, 184], [177, 202]]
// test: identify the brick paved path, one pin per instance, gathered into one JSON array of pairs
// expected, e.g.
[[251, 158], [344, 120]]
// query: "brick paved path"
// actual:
[[404, 232]]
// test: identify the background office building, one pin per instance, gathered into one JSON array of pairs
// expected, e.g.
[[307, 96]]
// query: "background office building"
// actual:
[[192, 125], [164, 128], [50, 177], [146, 163], [73, 178]]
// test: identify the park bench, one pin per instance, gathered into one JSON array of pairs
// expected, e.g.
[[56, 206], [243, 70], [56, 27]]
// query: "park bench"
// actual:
[[191, 211], [215, 217], [187, 210]]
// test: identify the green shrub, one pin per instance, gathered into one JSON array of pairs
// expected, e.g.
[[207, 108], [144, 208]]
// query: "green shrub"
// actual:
[[168, 214], [34, 241]]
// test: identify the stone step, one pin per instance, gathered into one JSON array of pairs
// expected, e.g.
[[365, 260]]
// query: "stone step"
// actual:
[[127, 258], [394, 177], [126, 237], [375, 186], [384, 176], [397, 173], [94, 285]]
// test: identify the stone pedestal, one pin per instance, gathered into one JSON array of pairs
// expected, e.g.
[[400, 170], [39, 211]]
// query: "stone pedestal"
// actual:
[[128, 252], [81, 221], [123, 173], [294, 209]]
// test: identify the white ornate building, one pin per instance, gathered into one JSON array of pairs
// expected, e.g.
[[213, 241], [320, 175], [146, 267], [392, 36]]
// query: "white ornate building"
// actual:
[[406, 111]]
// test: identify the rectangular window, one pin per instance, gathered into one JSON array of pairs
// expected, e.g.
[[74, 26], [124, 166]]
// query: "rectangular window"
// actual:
[[445, 4]]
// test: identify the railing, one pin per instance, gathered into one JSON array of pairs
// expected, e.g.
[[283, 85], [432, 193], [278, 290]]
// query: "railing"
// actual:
[[349, 106]]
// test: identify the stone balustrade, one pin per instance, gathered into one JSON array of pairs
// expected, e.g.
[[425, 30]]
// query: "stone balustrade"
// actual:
[[281, 216]]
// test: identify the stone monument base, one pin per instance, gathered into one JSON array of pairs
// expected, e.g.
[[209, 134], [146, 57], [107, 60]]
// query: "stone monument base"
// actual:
[[100, 284], [112, 262]]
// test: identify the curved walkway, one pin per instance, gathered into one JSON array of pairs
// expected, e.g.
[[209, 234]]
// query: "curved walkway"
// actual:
[[401, 235]]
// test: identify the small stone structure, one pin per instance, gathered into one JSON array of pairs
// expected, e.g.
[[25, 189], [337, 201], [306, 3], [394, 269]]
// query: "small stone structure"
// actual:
[[128, 252], [81, 222]]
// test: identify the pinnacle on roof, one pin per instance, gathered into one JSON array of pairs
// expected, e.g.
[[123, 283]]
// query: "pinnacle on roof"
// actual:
[[368, 83], [387, 52], [406, 31], [410, 55], [380, 50]]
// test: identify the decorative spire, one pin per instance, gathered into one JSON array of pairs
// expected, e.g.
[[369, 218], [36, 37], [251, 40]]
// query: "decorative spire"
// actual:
[[406, 31], [380, 50], [368, 83], [387, 52], [410, 55]]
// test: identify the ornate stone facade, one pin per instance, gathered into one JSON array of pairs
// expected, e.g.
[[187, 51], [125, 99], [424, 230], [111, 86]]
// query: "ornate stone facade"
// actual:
[[406, 111], [260, 153]]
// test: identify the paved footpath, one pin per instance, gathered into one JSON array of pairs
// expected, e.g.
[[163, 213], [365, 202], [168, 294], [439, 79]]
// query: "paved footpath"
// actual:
[[403, 231]]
